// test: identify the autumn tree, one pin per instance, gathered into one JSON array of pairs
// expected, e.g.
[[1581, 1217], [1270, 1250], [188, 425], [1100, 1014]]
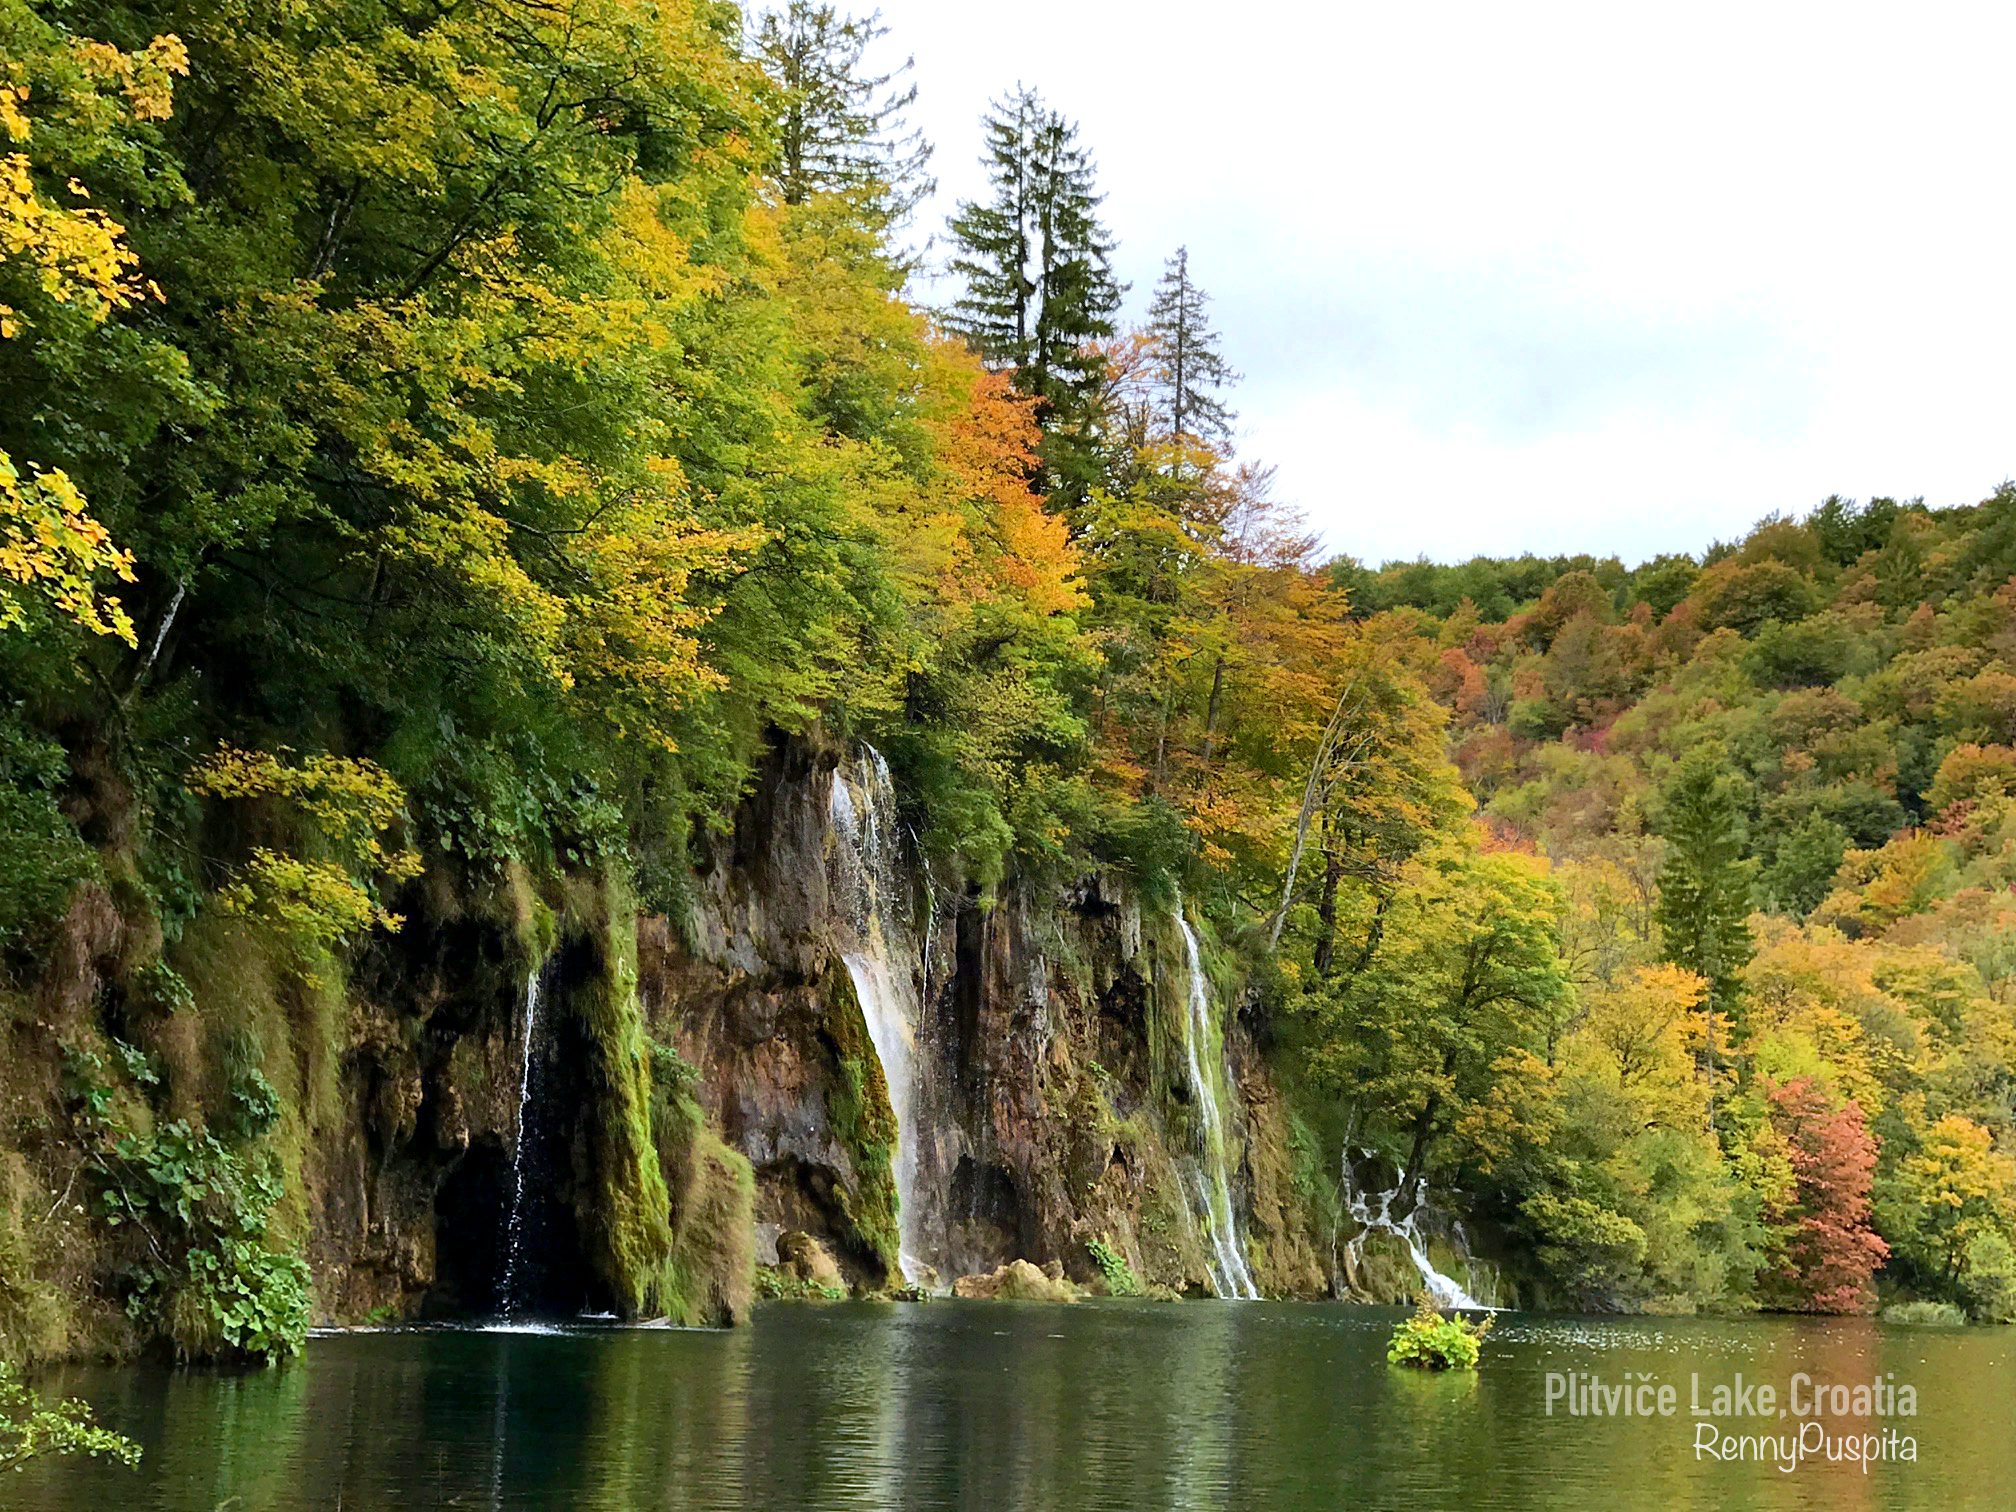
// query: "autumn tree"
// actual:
[[1631, 1198], [1454, 973], [1830, 1250], [1951, 1192], [67, 104], [1378, 791]]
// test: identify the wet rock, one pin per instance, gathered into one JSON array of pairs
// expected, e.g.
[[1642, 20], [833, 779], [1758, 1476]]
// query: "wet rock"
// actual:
[[1017, 1281], [808, 1262]]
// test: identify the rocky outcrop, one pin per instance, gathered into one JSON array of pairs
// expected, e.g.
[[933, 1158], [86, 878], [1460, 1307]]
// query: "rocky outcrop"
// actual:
[[1017, 1281], [707, 1084], [1051, 1109]]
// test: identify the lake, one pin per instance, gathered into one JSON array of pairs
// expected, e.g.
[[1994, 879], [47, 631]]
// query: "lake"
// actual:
[[1008, 1406]]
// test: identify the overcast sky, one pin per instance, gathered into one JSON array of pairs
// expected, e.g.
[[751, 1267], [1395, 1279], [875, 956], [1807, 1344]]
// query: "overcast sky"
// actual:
[[1509, 278]]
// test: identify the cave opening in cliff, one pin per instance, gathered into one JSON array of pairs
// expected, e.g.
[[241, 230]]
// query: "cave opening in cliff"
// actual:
[[988, 1214], [507, 1232]]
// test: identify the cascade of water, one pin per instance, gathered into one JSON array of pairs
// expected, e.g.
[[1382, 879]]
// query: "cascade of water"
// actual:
[[1230, 1276], [863, 813], [1375, 1214], [514, 1219]]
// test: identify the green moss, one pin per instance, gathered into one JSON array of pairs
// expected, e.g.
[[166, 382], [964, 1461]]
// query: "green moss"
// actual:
[[34, 1314], [533, 922], [624, 1214], [710, 1275], [863, 1121], [668, 1219], [774, 1284], [1312, 1176], [250, 1011], [1113, 1268]]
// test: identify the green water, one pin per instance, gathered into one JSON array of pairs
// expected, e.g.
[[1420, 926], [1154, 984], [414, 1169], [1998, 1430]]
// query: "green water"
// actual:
[[1005, 1406]]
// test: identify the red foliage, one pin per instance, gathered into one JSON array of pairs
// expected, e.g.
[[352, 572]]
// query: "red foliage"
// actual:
[[1458, 683], [1831, 1252], [1595, 737]]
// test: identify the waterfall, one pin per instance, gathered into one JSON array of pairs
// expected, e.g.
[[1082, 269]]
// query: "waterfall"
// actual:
[[1230, 1276], [1376, 1214], [863, 813], [514, 1219]]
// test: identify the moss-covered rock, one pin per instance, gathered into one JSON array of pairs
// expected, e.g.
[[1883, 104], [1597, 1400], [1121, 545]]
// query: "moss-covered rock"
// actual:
[[1018, 1281], [624, 1209], [805, 1269], [710, 1275], [864, 1122]]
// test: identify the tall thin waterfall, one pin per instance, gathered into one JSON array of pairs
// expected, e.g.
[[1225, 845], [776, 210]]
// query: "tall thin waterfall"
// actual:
[[1375, 1215], [514, 1219], [869, 877], [1230, 1276]]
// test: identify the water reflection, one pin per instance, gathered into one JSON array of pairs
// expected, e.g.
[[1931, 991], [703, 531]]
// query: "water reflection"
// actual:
[[1003, 1406]]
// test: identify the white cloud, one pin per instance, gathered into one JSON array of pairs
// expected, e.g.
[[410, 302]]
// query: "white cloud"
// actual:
[[1547, 277]]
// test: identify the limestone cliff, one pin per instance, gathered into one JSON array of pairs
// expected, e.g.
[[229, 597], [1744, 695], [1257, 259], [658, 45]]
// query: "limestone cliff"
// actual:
[[696, 1087]]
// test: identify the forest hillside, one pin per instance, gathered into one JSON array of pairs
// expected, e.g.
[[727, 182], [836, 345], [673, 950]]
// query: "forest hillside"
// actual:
[[461, 466]]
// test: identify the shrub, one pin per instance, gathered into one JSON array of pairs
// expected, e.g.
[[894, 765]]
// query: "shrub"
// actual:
[[29, 1429], [1988, 1278], [1935, 1314], [209, 1282], [1119, 1275], [1432, 1341], [44, 858]]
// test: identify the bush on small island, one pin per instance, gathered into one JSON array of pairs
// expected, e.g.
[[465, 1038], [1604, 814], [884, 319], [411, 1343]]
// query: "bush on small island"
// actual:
[[1431, 1341]]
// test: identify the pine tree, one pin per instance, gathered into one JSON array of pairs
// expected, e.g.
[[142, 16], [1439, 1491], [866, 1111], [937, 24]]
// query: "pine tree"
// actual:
[[995, 313], [1040, 293], [1705, 884], [1191, 371], [840, 128]]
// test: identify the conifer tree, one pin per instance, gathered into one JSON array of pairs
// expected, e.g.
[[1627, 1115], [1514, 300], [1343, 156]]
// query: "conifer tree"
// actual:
[[995, 312], [1705, 884], [1040, 292], [1191, 372], [840, 128]]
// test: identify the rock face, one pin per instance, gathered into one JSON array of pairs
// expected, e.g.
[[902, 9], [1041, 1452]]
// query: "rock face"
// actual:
[[1048, 1099], [709, 1091], [630, 1203]]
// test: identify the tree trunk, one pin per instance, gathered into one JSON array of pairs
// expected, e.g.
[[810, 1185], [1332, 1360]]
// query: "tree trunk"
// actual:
[[1310, 790], [1417, 1156], [1326, 906], [1161, 770], [1211, 712]]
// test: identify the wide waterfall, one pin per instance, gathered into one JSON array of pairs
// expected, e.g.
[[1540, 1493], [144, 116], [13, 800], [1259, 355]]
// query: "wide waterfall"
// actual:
[[515, 1217], [1230, 1276], [1374, 1214], [869, 876]]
